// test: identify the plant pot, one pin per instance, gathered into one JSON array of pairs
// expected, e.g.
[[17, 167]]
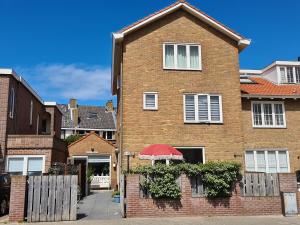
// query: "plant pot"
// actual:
[[116, 198]]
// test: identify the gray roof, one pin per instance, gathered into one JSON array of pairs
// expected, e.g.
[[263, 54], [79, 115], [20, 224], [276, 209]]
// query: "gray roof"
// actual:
[[90, 117]]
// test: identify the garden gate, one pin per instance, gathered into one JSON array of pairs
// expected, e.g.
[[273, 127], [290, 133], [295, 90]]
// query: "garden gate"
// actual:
[[52, 198]]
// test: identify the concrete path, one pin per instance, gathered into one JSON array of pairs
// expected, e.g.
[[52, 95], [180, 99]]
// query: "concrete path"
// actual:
[[237, 220], [98, 206]]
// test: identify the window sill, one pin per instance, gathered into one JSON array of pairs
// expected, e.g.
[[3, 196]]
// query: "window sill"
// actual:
[[208, 123], [256, 127], [145, 109], [183, 69]]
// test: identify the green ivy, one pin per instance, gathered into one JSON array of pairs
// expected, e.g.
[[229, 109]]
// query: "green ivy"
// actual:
[[218, 178]]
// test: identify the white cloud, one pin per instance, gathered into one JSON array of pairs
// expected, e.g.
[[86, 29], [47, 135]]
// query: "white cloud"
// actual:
[[59, 82]]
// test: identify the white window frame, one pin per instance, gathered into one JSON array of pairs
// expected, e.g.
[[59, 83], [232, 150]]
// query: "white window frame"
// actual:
[[12, 103], [156, 101], [286, 79], [197, 111], [31, 113], [188, 56], [200, 147], [25, 161], [266, 159], [273, 114]]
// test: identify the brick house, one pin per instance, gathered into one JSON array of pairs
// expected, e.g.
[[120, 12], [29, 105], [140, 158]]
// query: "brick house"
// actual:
[[97, 154], [176, 75], [29, 128], [83, 119]]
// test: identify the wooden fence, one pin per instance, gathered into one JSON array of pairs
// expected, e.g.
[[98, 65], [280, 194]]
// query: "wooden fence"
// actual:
[[260, 184], [52, 198]]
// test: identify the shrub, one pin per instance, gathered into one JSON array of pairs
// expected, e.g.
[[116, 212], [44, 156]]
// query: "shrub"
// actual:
[[218, 178], [72, 138]]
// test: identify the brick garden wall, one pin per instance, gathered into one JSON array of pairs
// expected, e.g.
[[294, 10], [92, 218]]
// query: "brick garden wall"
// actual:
[[201, 206], [17, 199]]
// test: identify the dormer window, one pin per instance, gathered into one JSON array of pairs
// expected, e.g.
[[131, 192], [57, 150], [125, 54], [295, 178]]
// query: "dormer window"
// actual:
[[182, 56], [290, 75]]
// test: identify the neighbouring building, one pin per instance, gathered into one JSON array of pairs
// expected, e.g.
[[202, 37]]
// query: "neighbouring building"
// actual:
[[82, 119], [177, 78], [97, 156], [29, 128]]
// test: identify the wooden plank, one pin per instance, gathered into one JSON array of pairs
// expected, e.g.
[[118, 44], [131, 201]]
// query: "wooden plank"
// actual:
[[30, 199], [269, 185], [255, 184], [59, 197], [66, 198], [44, 199], [249, 190], [36, 199], [73, 204], [275, 184], [262, 184], [51, 198]]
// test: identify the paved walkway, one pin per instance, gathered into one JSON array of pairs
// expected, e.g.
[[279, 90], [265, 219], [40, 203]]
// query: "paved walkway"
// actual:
[[237, 220], [98, 206]]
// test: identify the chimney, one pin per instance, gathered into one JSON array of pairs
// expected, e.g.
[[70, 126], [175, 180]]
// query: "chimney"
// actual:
[[73, 103], [74, 111], [109, 106]]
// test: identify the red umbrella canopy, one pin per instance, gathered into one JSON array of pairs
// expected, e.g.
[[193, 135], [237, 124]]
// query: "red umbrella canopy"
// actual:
[[160, 151]]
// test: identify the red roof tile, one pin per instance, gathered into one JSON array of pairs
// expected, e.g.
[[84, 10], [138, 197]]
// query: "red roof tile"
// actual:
[[265, 87]]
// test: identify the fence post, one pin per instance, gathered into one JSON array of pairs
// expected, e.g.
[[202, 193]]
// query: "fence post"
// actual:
[[17, 198]]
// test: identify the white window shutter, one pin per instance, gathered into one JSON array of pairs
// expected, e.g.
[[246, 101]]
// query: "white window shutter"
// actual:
[[189, 108], [283, 163], [249, 160], [203, 107], [261, 161], [215, 108]]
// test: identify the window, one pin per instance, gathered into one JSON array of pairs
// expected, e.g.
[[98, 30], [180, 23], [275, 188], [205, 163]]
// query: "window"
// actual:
[[268, 114], [150, 101], [192, 155], [25, 165], [273, 161], [12, 103], [202, 108], [182, 56], [290, 74], [31, 112]]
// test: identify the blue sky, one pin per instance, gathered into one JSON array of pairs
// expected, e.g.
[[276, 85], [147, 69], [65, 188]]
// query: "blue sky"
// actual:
[[63, 48]]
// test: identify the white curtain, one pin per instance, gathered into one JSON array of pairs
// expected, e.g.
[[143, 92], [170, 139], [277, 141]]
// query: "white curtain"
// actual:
[[169, 56], [181, 56], [35, 164], [194, 57], [15, 164]]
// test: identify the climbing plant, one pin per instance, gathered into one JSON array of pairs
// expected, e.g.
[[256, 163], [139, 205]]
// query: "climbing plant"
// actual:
[[218, 178]]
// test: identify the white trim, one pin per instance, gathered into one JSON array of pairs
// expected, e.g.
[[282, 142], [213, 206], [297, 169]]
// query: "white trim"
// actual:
[[50, 103], [194, 147], [270, 96], [156, 101], [250, 71], [267, 158], [25, 161], [196, 103], [273, 114], [31, 112], [194, 12], [12, 101], [89, 129]]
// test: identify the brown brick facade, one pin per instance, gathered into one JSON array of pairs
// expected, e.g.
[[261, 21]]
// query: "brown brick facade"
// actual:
[[17, 203], [201, 206], [143, 72], [100, 146], [282, 138]]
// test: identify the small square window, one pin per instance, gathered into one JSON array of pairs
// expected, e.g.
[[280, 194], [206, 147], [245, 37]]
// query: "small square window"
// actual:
[[150, 101]]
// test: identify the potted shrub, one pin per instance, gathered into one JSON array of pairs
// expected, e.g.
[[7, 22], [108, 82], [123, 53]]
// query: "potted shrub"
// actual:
[[116, 196]]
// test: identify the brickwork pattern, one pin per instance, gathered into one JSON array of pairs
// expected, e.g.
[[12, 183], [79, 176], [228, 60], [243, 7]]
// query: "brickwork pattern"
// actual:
[[197, 206], [17, 200]]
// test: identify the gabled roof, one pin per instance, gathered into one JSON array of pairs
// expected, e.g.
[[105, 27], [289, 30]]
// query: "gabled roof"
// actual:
[[90, 117], [264, 88], [118, 36], [88, 135]]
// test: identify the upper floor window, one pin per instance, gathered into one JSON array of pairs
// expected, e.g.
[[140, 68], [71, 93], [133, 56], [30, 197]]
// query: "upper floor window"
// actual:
[[31, 112], [202, 108], [268, 114], [290, 74], [150, 101], [182, 56], [12, 103]]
